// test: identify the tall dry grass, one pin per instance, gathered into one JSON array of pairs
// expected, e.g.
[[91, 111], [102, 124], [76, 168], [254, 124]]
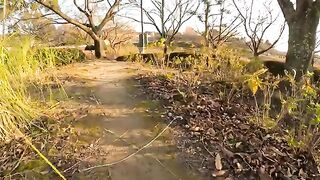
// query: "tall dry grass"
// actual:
[[20, 66]]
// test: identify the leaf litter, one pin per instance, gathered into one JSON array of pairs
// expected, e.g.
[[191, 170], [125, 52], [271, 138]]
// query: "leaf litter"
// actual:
[[218, 139]]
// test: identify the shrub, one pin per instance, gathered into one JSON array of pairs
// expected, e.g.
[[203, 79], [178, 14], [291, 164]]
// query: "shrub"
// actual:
[[61, 56], [226, 64], [254, 66], [297, 116]]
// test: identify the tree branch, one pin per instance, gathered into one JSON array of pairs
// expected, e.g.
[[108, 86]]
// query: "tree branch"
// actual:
[[287, 9], [64, 16], [109, 15]]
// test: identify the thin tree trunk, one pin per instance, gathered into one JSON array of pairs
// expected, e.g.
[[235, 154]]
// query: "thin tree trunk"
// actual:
[[301, 44], [163, 33], [165, 49], [4, 18], [99, 48], [206, 22]]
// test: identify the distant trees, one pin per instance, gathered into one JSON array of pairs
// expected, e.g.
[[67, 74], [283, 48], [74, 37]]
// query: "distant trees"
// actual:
[[302, 19], [34, 23], [256, 24], [88, 9], [217, 28], [10, 6], [167, 17]]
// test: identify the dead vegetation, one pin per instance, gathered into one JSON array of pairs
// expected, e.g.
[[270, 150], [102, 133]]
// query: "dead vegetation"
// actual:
[[241, 124]]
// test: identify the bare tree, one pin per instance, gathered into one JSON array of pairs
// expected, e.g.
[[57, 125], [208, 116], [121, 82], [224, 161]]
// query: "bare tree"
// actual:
[[117, 34], [218, 30], [8, 7], [32, 22], [87, 8], [303, 19], [167, 17], [256, 25], [205, 17]]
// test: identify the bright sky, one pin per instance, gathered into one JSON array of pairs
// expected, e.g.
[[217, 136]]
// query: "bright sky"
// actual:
[[271, 34]]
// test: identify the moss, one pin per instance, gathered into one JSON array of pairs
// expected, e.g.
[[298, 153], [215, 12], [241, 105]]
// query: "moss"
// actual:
[[34, 165]]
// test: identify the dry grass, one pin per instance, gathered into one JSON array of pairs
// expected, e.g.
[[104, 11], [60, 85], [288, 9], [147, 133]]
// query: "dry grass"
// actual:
[[20, 68]]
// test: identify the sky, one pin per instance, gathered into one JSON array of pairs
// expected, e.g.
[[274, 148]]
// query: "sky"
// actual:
[[271, 34]]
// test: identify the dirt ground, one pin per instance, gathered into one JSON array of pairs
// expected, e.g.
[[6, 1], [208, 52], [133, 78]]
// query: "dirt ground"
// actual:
[[118, 121], [104, 119]]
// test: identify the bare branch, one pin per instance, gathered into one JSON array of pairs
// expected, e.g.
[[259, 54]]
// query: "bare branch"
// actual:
[[262, 23], [110, 14], [63, 15]]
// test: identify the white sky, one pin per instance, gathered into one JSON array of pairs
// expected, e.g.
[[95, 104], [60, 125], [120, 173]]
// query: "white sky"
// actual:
[[271, 34]]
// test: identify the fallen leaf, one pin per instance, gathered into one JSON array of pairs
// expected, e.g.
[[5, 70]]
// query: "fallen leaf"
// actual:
[[263, 175], [240, 167], [218, 173], [227, 152], [218, 163], [238, 144]]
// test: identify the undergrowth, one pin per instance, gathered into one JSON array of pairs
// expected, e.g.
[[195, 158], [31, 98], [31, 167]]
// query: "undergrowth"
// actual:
[[281, 103], [24, 65]]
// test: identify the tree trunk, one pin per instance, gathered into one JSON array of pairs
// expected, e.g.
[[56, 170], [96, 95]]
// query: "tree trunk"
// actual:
[[206, 24], [301, 44], [165, 49], [99, 46], [163, 33]]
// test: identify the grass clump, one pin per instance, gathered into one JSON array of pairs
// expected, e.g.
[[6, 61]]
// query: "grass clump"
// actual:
[[21, 65], [59, 56]]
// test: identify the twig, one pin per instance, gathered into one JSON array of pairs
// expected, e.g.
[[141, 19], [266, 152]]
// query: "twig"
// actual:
[[133, 154], [136, 147], [205, 147], [165, 167], [19, 161], [75, 164], [118, 137], [244, 160]]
